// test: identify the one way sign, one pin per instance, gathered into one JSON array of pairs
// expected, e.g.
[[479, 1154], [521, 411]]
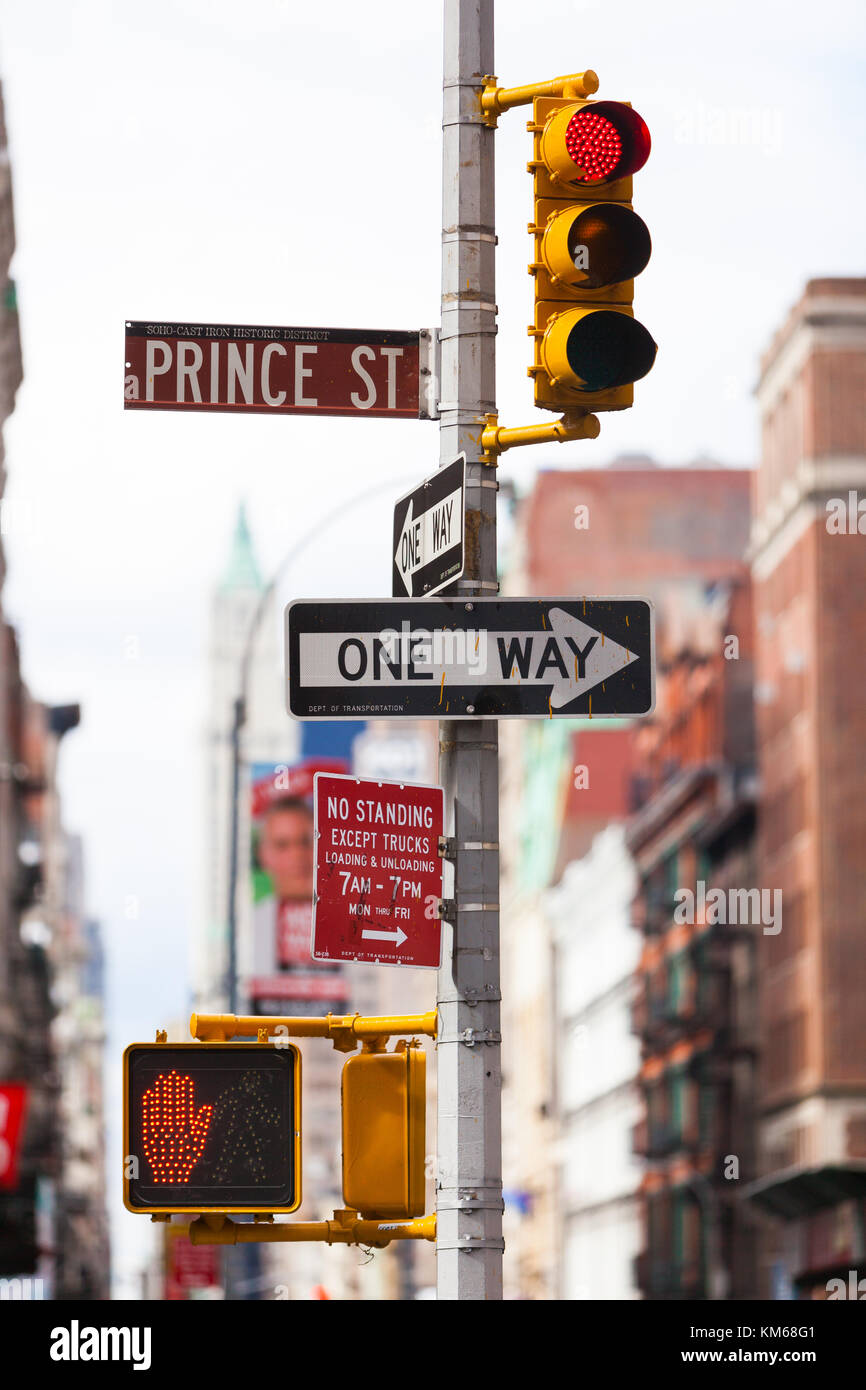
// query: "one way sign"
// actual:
[[428, 534], [455, 659]]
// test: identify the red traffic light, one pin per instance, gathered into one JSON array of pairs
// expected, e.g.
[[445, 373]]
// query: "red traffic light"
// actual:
[[595, 143]]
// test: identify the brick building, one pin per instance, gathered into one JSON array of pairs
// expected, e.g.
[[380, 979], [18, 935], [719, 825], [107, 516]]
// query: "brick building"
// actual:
[[808, 552], [693, 839], [25, 1006], [571, 1179]]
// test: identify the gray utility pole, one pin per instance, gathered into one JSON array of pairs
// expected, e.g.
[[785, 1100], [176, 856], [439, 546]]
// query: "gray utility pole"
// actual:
[[469, 1196]]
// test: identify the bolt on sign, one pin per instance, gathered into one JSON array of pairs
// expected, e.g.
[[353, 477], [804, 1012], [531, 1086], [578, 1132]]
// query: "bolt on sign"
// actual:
[[212, 1126], [480, 658], [297, 371], [378, 872]]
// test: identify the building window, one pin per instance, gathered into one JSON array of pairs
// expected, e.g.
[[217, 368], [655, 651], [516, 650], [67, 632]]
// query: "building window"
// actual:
[[672, 880]]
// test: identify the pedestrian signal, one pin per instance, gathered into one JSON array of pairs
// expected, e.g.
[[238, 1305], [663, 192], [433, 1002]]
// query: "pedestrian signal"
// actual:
[[212, 1127]]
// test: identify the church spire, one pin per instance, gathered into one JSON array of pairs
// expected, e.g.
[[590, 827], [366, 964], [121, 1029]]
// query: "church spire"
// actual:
[[242, 572]]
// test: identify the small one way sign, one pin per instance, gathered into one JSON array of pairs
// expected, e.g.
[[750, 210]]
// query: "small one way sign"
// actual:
[[429, 524], [446, 658]]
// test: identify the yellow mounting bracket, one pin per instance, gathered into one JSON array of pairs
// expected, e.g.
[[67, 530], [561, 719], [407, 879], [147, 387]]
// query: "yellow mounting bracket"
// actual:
[[496, 438], [496, 99], [346, 1228], [345, 1031]]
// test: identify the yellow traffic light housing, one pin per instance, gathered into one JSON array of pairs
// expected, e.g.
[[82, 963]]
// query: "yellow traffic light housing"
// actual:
[[589, 246], [384, 1129], [212, 1127]]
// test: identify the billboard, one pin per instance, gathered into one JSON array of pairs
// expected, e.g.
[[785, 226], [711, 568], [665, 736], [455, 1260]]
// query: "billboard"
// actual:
[[284, 978]]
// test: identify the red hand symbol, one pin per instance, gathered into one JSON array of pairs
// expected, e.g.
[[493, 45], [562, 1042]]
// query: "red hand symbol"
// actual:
[[172, 1134]]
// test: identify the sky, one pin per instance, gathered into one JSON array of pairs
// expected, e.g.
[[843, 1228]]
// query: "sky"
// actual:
[[278, 163]]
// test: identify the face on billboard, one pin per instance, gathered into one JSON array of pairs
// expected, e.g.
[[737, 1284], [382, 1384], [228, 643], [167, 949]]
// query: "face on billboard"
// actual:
[[285, 849]]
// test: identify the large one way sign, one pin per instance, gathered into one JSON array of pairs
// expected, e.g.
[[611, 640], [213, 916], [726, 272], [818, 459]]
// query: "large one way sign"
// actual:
[[428, 533], [463, 659]]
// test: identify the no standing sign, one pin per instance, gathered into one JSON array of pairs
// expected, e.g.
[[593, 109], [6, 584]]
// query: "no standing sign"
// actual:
[[378, 872]]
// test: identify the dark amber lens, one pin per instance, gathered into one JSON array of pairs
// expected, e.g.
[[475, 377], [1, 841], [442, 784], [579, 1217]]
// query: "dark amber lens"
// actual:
[[609, 243]]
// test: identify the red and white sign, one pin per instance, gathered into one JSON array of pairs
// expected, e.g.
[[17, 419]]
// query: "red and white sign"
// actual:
[[378, 872], [293, 933], [272, 782], [13, 1102], [300, 985], [278, 371], [188, 1266]]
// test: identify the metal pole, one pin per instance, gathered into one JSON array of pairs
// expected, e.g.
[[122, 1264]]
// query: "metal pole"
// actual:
[[469, 1181], [238, 721]]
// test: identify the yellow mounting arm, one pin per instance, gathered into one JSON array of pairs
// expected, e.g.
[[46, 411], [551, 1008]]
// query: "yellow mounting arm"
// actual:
[[347, 1228], [495, 99], [496, 438], [344, 1030]]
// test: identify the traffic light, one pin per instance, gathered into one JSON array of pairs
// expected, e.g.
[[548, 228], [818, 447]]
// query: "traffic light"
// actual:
[[384, 1128], [589, 246], [212, 1127]]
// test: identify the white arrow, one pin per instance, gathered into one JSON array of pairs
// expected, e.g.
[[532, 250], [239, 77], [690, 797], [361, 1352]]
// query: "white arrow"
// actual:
[[398, 936], [424, 537]]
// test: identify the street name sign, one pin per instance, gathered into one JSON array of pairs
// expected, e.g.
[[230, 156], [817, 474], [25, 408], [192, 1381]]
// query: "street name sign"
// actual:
[[378, 871], [493, 658], [428, 533], [279, 371]]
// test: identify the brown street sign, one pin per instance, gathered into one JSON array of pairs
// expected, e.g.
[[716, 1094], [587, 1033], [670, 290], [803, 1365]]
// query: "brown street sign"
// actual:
[[300, 371]]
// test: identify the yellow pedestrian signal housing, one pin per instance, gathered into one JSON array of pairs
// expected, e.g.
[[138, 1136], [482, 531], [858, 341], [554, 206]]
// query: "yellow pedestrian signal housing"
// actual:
[[589, 246], [384, 1128], [212, 1127]]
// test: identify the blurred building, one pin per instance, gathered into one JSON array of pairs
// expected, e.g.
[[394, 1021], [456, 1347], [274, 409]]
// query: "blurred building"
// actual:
[[693, 841], [269, 737], [29, 1077], [670, 534], [274, 745], [244, 625], [597, 1100], [13, 772], [52, 1177], [54, 921], [29, 1085], [808, 552]]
